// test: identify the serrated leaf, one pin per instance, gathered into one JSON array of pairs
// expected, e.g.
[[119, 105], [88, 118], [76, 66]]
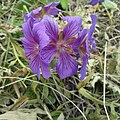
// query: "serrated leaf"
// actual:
[[17, 115], [109, 4], [22, 114], [113, 86]]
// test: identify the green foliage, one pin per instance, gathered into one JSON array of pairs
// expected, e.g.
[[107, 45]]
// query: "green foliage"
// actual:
[[65, 3], [16, 115], [109, 4], [22, 114], [61, 117]]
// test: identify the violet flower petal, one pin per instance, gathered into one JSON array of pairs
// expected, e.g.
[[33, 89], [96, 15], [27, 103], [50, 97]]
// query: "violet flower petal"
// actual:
[[53, 11], [51, 8], [77, 19], [92, 28], [27, 30], [40, 35], [45, 71], [66, 65], [37, 11], [39, 26], [30, 47], [48, 9], [52, 4], [44, 39], [101, 0], [72, 28], [89, 40], [83, 68], [51, 28], [94, 2], [48, 53], [76, 43], [92, 42], [35, 65], [25, 17], [90, 33]]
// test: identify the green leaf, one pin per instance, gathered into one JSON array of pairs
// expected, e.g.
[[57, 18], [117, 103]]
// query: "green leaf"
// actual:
[[30, 93], [26, 9], [12, 63], [106, 36], [61, 117], [86, 94], [50, 99], [109, 4], [65, 3], [16, 115], [19, 50], [34, 88], [22, 114], [45, 91], [16, 55]]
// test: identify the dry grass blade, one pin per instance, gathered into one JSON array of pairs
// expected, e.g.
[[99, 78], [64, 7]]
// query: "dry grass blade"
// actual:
[[104, 88]]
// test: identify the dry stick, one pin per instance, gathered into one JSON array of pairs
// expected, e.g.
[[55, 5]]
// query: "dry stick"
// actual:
[[104, 87], [16, 74], [14, 85], [16, 89]]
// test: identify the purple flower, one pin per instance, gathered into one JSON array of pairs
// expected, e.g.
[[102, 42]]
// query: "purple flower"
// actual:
[[94, 2], [82, 45], [45, 41], [51, 8], [60, 45], [33, 29], [40, 12], [33, 43]]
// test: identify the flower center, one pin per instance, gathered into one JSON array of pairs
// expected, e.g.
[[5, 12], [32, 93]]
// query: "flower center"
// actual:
[[62, 45], [36, 49]]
